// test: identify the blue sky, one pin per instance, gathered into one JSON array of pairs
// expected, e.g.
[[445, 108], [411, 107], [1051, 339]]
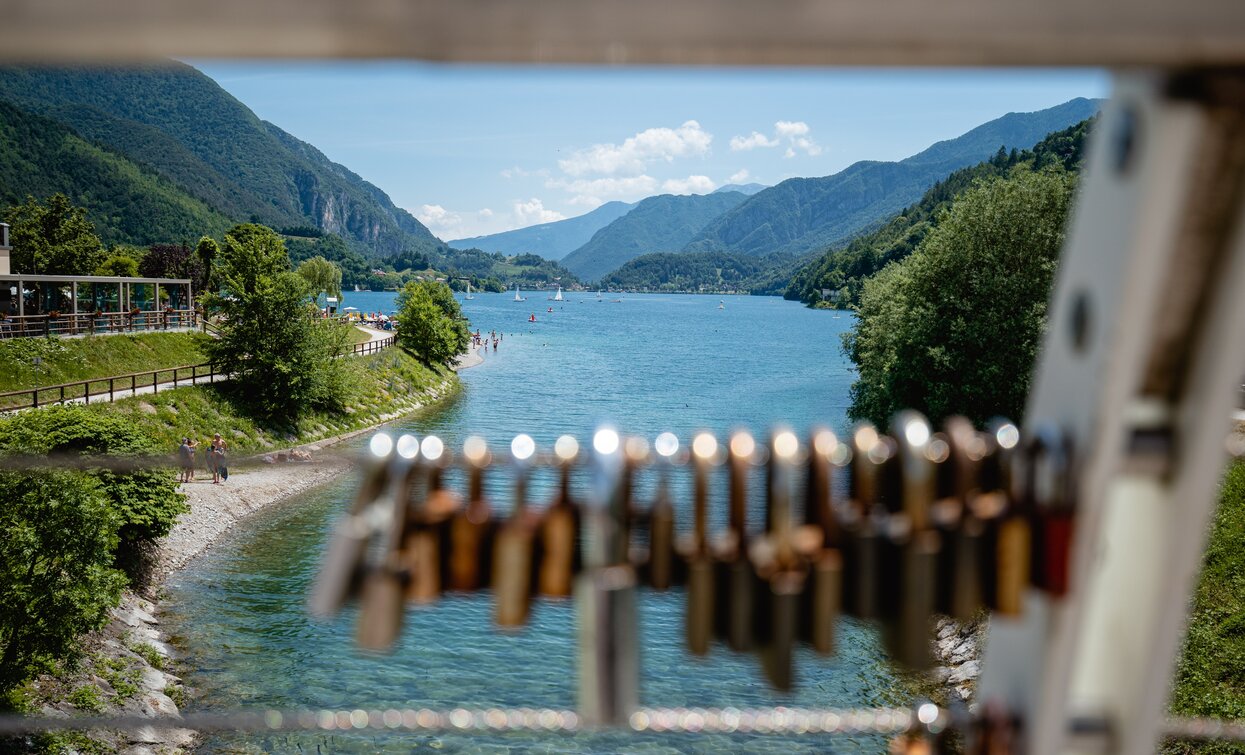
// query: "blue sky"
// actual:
[[479, 149]]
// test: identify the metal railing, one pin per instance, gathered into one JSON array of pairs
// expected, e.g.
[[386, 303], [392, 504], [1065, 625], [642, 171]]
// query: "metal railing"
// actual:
[[109, 388], [28, 326]]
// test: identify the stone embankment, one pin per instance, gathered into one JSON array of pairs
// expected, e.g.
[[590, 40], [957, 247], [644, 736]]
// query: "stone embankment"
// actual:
[[123, 672], [957, 655]]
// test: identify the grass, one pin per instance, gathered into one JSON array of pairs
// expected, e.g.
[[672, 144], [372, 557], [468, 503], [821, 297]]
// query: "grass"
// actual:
[[86, 698], [385, 383], [148, 653], [1210, 675], [68, 360]]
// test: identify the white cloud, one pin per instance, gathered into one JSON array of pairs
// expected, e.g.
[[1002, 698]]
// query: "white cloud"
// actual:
[[533, 212], [739, 177], [440, 221], [634, 155], [752, 141], [689, 185], [460, 224], [794, 134], [791, 128], [593, 192]]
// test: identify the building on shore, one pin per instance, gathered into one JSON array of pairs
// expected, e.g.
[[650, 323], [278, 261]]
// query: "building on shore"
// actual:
[[36, 305]]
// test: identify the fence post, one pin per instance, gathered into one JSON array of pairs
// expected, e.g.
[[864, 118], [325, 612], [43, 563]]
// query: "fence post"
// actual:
[[36, 398], [155, 382], [110, 381]]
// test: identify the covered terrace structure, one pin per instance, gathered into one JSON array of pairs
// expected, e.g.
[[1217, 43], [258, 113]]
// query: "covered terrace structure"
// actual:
[[36, 305]]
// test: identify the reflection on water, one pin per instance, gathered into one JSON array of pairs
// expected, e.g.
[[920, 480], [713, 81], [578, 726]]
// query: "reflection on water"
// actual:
[[649, 364]]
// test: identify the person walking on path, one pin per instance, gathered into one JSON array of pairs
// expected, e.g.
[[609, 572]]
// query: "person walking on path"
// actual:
[[216, 459]]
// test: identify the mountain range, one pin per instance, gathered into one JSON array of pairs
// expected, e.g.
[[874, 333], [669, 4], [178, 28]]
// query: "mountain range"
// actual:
[[552, 240], [658, 224], [797, 218], [180, 131]]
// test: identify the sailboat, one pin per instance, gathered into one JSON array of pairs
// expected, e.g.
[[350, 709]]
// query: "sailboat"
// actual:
[[469, 296], [516, 294], [558, 297]]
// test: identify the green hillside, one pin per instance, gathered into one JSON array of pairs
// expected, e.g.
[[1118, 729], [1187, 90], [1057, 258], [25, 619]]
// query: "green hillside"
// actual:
[[183, 126], [658, 224], [707, 272], [844, 268], [127, 202], [550, 240], [808, 214]]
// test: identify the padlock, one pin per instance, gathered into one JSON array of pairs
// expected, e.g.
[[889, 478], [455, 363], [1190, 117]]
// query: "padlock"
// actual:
[[381, 603], [735, 578], [472, 528], [817, 543], [558, 551], [342, 571], [780, 571], [862, 520], [514, 545], [1052, 488], [699, 618], [425, 548], [605, 596], [661, 562], [1008, 530], [957, 452]]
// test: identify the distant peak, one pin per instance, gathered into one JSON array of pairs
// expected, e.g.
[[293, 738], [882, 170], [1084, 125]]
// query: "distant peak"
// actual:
[[748, 189]]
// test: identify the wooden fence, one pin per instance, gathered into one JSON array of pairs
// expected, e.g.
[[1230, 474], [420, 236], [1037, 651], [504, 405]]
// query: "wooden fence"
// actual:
[[110, 388]]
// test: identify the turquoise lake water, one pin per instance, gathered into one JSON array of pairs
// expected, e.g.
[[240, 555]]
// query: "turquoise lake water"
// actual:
[[647, 364]]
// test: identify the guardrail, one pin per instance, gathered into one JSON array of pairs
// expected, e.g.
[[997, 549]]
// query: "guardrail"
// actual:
[[109, 388], [116, 385], [371, 347], [13, 326]]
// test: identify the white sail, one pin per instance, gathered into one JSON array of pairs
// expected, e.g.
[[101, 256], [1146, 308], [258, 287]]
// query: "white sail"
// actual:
[[516, 293], [558, 297]]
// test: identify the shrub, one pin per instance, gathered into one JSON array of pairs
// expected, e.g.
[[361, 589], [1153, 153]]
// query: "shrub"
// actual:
[[56, 572]]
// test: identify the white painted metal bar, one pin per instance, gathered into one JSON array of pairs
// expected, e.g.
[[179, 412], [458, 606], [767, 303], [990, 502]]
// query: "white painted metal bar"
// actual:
[[1148, 231]]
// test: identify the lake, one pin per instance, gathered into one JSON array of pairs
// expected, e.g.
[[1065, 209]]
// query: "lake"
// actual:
[[647, 363]]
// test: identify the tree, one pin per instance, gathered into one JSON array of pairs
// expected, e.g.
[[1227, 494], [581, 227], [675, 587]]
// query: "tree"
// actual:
[[322, 276], [430, 323], [56, 571], [955, 327], [281, 357], [173, 261], [120, 265], [206, 251], [56, 239]]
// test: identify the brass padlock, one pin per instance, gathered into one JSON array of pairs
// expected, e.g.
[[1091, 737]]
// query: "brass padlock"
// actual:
[[1007, 547], [779, 569], [862, 520], [381, 604], [735, 578], [472, 529], [910, 546], [701, 596], [818, 543], [514, 545], [661, 542], [958, 452], [558, 546], [426, 544]]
